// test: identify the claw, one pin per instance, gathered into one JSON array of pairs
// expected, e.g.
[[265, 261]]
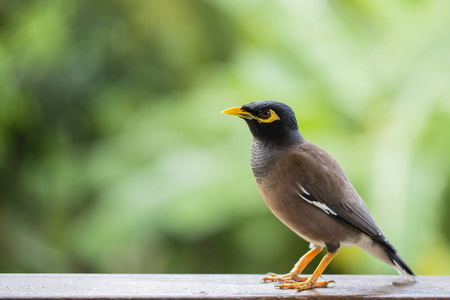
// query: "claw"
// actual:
[[269, 278], [301, 286], [272, 277]]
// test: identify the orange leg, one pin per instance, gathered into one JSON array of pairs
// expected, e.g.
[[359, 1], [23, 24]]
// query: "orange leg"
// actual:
[[311, 282], [297, 270]]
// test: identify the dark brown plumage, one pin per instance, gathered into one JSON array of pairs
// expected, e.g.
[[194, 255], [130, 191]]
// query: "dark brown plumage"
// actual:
[[308, 191]]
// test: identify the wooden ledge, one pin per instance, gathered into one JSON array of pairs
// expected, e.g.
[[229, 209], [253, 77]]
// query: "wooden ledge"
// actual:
[[166, 286]]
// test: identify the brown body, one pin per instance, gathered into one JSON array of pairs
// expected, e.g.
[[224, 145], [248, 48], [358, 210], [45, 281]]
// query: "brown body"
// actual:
[[305, 219], [311, 167]]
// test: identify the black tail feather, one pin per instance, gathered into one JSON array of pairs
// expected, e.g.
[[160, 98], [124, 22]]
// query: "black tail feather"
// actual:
[[400, 264]]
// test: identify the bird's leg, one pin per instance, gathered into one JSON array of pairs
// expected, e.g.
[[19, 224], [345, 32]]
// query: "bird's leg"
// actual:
[[311, 282], [297, 270]]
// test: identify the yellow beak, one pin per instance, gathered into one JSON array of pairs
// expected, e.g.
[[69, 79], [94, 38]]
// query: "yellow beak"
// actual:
[[238, 111]]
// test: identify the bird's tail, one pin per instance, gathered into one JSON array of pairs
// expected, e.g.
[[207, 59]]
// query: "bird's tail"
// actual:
[[384, 250], [400, 265]]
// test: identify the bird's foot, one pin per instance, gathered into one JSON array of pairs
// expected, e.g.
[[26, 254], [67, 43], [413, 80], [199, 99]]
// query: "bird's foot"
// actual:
[[272, 277], [301, 286]]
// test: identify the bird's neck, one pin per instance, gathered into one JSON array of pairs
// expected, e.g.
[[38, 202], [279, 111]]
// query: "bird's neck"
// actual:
[[265, 155]]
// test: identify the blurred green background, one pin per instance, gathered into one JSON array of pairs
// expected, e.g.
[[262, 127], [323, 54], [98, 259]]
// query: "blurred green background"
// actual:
[[114, 156]]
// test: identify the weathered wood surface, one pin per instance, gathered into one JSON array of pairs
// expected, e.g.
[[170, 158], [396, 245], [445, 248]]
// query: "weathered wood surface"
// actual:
[[166, 286]]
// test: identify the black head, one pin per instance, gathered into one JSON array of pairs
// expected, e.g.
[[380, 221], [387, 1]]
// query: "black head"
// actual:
[[269, 121]]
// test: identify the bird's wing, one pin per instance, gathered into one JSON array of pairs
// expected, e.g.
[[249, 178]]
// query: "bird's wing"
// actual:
[[323, 183]]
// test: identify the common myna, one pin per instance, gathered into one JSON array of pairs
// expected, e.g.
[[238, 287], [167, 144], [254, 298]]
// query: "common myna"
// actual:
[[308, 191]]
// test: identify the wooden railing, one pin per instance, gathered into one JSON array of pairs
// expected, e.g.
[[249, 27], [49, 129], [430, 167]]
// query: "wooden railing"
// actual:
[[167, 286]]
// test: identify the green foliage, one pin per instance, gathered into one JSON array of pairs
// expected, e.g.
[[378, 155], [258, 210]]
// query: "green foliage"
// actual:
[[114, 156]]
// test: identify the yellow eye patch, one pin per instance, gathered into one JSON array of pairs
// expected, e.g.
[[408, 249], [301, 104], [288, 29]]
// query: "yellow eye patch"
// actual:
[[273, 117]]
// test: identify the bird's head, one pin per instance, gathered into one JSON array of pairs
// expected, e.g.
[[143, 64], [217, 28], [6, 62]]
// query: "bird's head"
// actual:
[[269, 121]]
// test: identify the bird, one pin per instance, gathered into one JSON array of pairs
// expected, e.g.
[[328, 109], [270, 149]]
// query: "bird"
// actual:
[[308, 191]]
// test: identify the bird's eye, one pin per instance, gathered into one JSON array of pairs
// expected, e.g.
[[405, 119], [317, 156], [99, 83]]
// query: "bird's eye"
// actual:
[[264, 114]]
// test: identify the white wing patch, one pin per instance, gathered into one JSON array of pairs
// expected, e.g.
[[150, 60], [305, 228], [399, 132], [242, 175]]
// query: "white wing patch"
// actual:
[[303, 190], [317, 204]]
